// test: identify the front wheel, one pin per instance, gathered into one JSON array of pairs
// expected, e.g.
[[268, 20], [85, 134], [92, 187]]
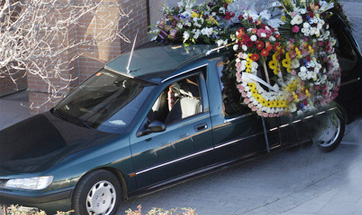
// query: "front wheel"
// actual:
[[98, 192], [330, 132]]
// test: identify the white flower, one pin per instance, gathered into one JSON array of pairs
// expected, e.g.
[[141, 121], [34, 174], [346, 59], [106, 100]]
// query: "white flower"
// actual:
[[272, 38], [180, 25], [253, 38], [244, 47], [292, 108], [219, 42], [306, 25], [306, 32], [262, 34], [235, 47], [196, 33], [303, 69], [237, 60], [206, 31], [254, 65], [186, 14], [297, 20], [180, 4], [295, 63], [302, 11], [222, 10], [186, 36]]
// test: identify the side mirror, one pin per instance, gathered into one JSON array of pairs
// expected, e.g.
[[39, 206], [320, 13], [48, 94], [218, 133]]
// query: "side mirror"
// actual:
[[155, 126]]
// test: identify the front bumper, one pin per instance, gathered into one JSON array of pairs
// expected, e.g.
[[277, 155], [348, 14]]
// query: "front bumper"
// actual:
[[59, 200]]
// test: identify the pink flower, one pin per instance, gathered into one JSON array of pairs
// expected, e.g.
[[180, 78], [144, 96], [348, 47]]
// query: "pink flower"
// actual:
[[246, 100], [295, 29], [240, 88], [294, 13], [238, 77], [261, 33]]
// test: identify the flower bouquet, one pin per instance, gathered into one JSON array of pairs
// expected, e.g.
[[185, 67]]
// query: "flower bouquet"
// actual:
[[284, 59]]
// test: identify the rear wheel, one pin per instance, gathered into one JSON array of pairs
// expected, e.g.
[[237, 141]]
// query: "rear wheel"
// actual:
[[330, 132], [98, 192]]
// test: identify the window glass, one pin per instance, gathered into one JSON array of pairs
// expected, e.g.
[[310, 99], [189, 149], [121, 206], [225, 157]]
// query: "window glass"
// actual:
[[107, 100], [231, 97], [180, 100], [346, 53]]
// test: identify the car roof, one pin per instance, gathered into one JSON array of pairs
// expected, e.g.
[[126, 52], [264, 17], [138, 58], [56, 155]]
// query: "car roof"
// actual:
[[154, 62]]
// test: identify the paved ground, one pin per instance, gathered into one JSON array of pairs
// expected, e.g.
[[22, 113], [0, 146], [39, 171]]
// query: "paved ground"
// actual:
[[300, 181]]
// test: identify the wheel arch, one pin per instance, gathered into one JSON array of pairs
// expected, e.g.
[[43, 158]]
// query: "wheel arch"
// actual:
[[118, 174]]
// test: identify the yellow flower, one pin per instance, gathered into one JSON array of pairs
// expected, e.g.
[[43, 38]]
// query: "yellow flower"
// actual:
[[229, 1], [295, 97], [193, 15], [283, 18], [307, 93], [311, 50], [286, 62], [297, 52], [272, 64]]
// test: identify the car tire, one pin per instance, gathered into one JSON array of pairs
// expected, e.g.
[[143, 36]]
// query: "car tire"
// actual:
[[98, 192], [330, 132]]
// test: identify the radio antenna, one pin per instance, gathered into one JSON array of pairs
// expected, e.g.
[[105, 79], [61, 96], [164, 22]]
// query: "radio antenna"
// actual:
[[131, 54]]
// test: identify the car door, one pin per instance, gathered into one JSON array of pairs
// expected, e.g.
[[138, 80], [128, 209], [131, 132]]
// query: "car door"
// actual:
[[237, 132], [186, 142]]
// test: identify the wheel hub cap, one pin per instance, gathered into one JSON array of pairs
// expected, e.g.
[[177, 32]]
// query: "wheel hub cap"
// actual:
[[101, 198]]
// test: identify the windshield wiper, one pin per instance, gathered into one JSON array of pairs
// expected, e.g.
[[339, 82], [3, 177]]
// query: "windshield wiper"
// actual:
[[71, 119]]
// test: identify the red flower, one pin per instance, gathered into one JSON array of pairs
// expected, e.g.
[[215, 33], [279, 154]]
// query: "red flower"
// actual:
[[311, 14], [241, 17], [268, 46], [264, 52], [254, 30], [259, 44], [276, 46], [254, 57], [308, 58], [229, 15], [241, 32], [277, 36], [249, 43]]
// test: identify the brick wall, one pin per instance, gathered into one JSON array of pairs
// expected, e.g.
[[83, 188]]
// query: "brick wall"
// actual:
[[96, 56]]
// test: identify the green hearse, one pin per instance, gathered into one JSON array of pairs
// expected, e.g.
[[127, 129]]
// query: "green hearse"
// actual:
[[128, 130]]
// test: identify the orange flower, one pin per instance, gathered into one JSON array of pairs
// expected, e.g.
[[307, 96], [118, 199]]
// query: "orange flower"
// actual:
[[268, 46]]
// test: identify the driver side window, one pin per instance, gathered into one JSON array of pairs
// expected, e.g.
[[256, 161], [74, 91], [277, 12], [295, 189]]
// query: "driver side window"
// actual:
[[180, 100]]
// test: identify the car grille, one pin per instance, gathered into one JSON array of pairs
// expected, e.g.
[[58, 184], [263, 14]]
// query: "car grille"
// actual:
[[2, 183]]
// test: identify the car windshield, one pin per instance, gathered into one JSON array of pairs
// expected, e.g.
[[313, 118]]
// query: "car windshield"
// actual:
[[106, 101]]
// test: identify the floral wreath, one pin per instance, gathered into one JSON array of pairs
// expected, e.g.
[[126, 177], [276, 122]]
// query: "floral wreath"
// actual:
[[281, 65]]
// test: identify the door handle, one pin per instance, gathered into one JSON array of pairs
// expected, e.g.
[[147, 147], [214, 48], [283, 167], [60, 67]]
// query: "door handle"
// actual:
[[201, 126]]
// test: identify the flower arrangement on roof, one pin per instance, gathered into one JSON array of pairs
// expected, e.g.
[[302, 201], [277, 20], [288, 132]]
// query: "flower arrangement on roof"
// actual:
[[284, 59]]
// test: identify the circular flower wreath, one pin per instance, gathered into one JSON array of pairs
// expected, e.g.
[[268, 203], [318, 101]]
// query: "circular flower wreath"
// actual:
[[305, 68]]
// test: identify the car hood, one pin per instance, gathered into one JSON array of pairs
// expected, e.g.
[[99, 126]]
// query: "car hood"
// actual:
[[41, 141]]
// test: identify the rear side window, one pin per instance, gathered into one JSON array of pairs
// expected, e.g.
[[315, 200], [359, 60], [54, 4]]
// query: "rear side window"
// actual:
[[346, 53]]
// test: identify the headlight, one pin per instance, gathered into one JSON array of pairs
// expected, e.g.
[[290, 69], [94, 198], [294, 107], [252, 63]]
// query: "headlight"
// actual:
[[34, 183]]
